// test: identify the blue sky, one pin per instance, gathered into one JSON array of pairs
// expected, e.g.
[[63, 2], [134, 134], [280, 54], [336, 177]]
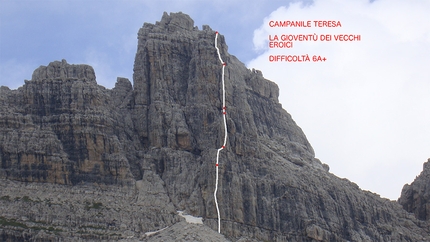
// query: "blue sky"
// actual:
[[365, 111], [103, 33]]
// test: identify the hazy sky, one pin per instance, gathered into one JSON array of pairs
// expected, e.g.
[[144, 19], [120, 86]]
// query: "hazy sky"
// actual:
[[365, 110]]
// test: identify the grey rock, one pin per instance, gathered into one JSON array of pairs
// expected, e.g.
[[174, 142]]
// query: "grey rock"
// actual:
[[186, 232], [82, 162], [60, 128], [415, 198], [63, 71]]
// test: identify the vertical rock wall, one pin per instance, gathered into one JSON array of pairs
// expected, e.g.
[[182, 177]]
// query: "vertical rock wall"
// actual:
[[126, 159], [415, 198]]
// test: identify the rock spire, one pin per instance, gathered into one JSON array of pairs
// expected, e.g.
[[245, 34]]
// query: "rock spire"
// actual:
[[82, 162]]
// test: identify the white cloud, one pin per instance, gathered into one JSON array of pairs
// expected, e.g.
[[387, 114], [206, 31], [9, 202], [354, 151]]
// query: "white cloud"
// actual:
[[365, 110]]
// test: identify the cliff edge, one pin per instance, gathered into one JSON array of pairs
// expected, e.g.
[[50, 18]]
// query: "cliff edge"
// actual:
[[415, 198]]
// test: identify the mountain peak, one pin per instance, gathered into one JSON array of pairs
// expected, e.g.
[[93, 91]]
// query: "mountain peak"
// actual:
[[176, 21], [118, 164], [61, 70]]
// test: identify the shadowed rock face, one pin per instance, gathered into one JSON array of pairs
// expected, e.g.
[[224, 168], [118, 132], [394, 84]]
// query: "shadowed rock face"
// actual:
[[129, 157], [415, 198]]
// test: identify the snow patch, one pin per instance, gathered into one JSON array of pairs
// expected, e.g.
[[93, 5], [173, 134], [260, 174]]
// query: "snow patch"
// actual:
[[154, 232], [191, 219]]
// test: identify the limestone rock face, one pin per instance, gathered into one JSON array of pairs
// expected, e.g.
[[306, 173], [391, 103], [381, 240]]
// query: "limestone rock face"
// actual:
[[60, 128], [184, 231], [415, 198], [117, 164]]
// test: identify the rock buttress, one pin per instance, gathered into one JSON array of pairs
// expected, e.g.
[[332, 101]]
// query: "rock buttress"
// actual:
[[415, 198], [271, 185]]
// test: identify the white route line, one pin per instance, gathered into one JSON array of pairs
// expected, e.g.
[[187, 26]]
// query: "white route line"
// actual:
[[224, 112]]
